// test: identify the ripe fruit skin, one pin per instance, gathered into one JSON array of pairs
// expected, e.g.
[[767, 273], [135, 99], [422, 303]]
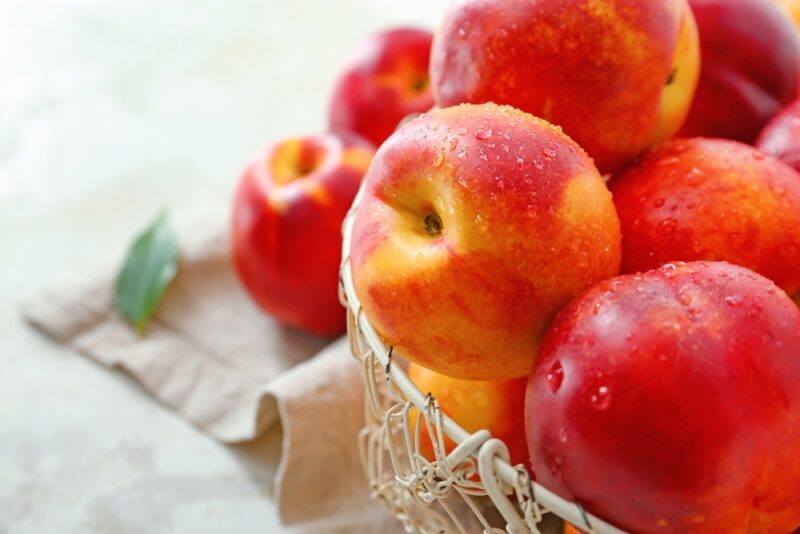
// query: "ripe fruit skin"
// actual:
[[385, 82], [518, 222], [781, 136], [286, 227], [750, 67], [494, 405], [617, 75], [711, 199], [670, 402]]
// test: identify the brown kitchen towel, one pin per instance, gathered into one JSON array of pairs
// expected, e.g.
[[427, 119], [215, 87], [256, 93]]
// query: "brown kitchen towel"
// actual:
[[210, 355]]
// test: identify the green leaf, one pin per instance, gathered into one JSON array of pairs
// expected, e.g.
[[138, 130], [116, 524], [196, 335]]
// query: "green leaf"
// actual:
[[149, 268]]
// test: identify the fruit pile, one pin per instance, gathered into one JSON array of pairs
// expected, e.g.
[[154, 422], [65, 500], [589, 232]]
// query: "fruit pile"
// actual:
[[585, 238]]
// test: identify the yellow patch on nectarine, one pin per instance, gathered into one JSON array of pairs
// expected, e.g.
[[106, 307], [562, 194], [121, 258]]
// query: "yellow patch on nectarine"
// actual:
[[285, 161], [682, 80]]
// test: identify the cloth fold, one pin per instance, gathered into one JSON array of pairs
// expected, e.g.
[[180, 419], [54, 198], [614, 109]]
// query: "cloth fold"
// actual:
[[214, 358]]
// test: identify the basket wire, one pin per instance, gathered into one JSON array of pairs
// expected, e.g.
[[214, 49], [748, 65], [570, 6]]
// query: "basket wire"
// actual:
[[469, 489]]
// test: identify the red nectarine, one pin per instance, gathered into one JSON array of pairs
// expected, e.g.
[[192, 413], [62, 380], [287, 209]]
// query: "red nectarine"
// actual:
[[750, 67], [711, 199], [781, 136], [384, 83], [286, 227], [670, 402], [617, 75]]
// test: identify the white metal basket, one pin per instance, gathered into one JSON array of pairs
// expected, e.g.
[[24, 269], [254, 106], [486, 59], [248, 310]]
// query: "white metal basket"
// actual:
[[473, 488]]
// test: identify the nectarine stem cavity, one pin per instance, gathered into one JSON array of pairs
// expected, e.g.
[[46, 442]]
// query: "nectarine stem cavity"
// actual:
[[671, 78], [421, 85], [433, 224], [295, 159]]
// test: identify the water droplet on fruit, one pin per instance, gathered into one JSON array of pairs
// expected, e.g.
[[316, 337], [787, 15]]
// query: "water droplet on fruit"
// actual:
[[734, 300], [555, 466], [438, 159], [680, 147], [778, 189], [550, 152], [601, 399], [520, 161], [685, 298], [562, 435], [668, 225], [555, 376], [695, 177], [659, 202], [462, 32], [669, 160], [484, 134]]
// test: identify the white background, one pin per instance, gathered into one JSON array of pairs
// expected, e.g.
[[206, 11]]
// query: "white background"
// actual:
[[110, 110]]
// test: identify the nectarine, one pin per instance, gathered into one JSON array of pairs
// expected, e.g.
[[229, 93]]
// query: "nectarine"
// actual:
[[617, 75], [493, 405], [477, 224], [711, 199], [781, 136], [286, 227], [386, 81], [670, 402], [750, 67]]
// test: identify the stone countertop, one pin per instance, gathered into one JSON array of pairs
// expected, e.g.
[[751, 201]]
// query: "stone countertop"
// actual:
[[108, 112]]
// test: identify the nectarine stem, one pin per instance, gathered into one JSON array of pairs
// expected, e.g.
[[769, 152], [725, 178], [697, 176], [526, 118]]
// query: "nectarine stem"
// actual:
[[433, 224]]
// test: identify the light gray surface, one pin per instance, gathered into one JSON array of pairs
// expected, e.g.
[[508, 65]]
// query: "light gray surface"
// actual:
[[108, 111]]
